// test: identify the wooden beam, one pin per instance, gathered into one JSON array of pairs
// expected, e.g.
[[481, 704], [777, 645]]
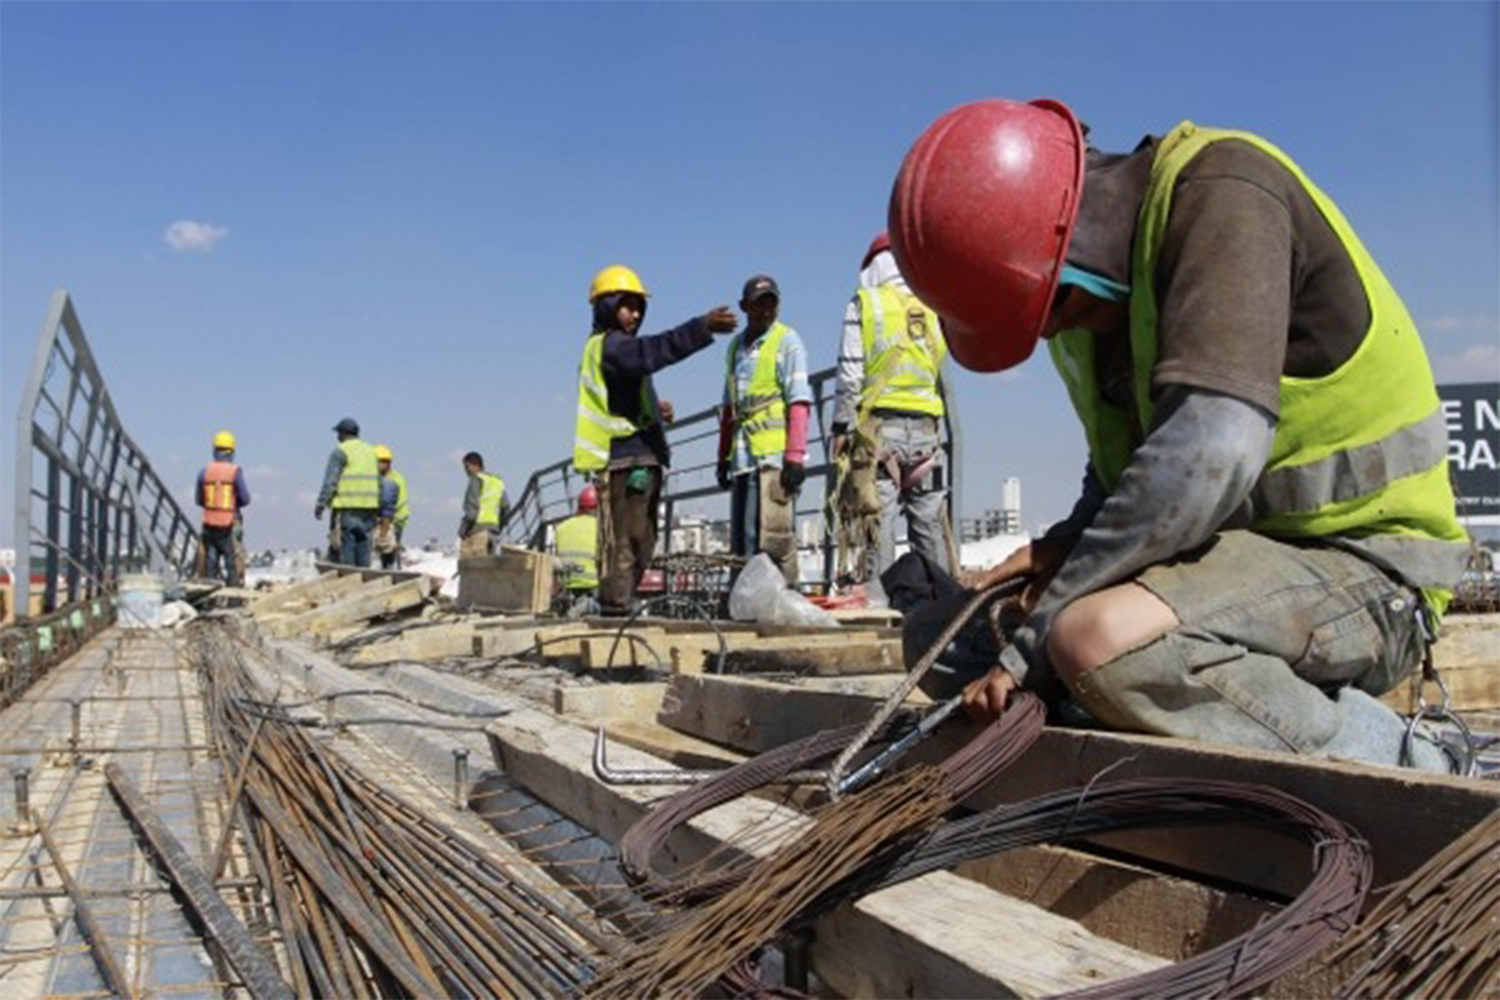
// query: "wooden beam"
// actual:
[[940, 935], [881, 656], [375, 598], [1407, 816], [590, 704], [1468, 660], [300, 593], [514, 580], [430, 643]]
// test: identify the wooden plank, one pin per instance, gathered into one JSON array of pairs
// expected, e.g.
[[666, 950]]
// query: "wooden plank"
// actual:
[[375, 598], [1468, 659], [303, 593], [940, 935], [679, 749], [755, 716], [514, 580], [430, 643], [594, 703], [1406, 816], [695, 652], [627, 652], [821, 659]]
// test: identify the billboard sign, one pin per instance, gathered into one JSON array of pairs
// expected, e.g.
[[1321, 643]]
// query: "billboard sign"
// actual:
[[1472, 411]]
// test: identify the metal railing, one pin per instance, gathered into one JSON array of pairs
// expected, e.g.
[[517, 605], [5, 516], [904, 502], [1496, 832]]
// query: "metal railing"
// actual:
[[550, 494], [88, 504]]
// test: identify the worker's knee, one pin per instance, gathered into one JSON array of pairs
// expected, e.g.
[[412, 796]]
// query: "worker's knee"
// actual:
[[1102, 627]]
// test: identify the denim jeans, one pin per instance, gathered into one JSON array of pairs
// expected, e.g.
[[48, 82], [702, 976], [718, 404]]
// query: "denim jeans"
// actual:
[[910, 438], [1282, 647], [761, 519], [356, 527], [219, 554]]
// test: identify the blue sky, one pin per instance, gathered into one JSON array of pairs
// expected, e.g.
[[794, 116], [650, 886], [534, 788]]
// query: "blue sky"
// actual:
[[400, 205]]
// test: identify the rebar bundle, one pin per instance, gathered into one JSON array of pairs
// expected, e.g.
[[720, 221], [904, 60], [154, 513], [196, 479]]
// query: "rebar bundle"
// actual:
[[1437, 934], [372, 896]]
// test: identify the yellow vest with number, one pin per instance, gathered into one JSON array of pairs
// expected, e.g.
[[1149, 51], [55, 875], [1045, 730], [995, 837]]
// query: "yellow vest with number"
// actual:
[[1360, 453], [403, 509], [491, 492], [761, 412], [596, 426], [577, 539], [359, 483], [902, 337]]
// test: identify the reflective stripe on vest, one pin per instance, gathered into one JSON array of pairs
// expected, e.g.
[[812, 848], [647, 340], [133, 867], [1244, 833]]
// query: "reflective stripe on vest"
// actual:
[[761, 413], [359, 483], [1359, 455], [403, 509], [596, 425], [577, 540], [491, 492], [219, 500], [901, 334]]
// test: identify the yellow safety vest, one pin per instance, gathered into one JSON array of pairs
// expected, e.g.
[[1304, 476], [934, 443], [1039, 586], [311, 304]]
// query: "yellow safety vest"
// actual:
[[403, 509], [491, 492], [761, 412], [577, 541], [597, 425], [902, 335], [359, 483], [1360, 453]]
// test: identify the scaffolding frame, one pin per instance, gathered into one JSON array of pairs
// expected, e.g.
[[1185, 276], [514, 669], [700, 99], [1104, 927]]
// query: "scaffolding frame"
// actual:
[[89, 506]]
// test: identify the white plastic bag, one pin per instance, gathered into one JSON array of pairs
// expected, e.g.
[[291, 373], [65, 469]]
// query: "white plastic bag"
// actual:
[[761, 595]]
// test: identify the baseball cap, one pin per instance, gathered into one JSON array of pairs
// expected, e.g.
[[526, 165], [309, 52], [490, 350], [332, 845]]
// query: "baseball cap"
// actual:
[[347, 426], [761, 284]]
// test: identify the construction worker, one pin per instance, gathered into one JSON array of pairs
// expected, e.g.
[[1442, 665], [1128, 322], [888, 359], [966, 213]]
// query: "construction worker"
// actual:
[[351, 487], [887, 418], [390, 549], [484, 509], [618, 434], [1267, 533], [575, 542], [763, 429], [222, 493]]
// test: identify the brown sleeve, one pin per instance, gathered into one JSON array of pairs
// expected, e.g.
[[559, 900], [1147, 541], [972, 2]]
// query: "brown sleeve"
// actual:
[[1225, 282]]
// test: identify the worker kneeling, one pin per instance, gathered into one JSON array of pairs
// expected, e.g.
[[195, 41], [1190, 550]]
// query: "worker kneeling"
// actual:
[[1267, 533], [575, 545]]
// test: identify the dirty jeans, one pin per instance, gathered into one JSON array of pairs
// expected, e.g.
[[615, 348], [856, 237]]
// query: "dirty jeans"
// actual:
[[1282, 647], [357, 525], [762, 519], [627, 537], [219, 548], [908, 437]]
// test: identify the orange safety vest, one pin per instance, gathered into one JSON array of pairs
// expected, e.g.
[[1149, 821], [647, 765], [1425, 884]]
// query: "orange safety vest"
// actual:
[[219, 500]]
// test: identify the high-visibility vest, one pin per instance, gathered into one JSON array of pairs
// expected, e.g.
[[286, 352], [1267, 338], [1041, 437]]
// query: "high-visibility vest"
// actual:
[[491, 492], [596, 426], [577, 541], [761, 412], [219, 500], [359, 483], [904, 351], [403, 510], [1360, 453]]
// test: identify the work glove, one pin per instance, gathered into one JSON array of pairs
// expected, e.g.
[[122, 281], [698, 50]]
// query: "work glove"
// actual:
[[318, 512], [793, 475], [722, 474]]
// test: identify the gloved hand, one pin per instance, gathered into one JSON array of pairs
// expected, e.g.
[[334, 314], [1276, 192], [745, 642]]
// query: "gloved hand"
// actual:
[[793, 475], [318, 512], [722, 474]]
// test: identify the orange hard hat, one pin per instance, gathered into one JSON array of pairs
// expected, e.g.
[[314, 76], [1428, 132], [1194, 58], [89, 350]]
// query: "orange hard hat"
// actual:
[[588, 499], [980, 218]]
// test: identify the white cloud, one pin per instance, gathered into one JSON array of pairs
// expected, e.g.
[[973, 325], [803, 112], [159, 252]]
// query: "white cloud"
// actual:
[[1480, 323], [186, 235], [1480, 363]]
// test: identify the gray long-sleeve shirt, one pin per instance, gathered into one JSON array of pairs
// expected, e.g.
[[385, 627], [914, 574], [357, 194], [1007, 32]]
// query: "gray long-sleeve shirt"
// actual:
[[1190, 478], [331, 474], [471, 506]]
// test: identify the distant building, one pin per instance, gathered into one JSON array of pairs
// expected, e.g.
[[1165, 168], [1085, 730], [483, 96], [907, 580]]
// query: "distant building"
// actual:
[[1004, 520]]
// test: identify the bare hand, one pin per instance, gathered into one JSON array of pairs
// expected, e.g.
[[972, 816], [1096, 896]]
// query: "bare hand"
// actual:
[[720, 320], [840, 445], [1038, 560], [668, 415], [985, 698]]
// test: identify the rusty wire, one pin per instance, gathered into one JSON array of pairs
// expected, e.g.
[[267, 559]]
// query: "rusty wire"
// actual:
[[1437, 934]]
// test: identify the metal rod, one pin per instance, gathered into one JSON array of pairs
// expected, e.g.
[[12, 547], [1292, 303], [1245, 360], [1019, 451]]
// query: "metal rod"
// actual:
[[88, 923], [460, 777], [258, 973], [23, 798], [221, 852]]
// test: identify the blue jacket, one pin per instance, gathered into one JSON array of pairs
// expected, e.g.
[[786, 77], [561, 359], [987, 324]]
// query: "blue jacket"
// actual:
[[628, 363]]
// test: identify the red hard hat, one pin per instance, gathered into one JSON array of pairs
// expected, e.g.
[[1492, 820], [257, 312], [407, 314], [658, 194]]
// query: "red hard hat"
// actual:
[[588, 499], [881, 242], [980, 218]]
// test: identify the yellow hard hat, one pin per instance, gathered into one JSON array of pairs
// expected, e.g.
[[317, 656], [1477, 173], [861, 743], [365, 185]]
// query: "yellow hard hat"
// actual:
[[382, 453], [224, 439], [616, 278]]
